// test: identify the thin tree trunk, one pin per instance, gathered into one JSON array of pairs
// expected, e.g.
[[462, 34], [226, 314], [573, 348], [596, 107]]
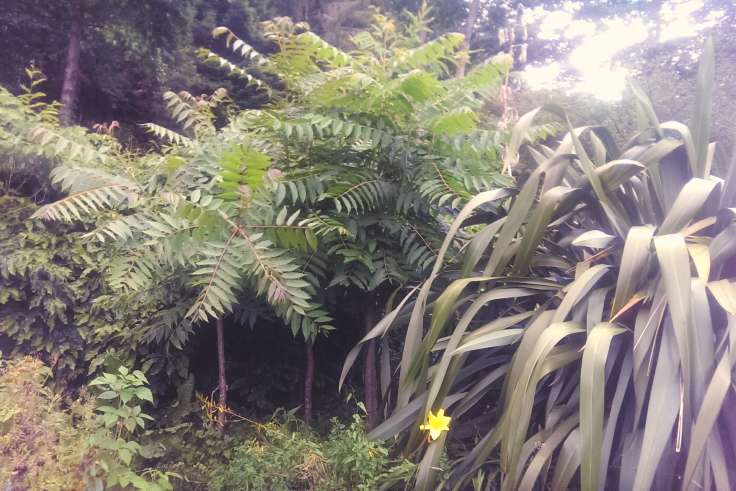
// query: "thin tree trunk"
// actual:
[[70, 86], [308, 381], [469, 28], [370, 376], [221, 380], [301, 10]]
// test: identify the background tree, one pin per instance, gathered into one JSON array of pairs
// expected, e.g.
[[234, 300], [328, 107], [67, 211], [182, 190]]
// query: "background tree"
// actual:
[[120, 56]]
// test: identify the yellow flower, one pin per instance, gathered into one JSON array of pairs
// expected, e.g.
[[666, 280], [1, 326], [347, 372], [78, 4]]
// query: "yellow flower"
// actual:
[[436, 424]]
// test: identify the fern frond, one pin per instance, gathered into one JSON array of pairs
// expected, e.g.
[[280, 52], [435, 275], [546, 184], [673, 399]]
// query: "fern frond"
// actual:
[[187, 114], [239, 46], [152, 248], [420, 86], [311, 126], [121, 229], [417, 250], [272, 272], [325, 226], [304, 54], [84, 203], [478, 142], [76, 179], [170, 325], [433, 54], [364, 269], [335, 88], [302, 186], [167, 134], [219, 274], [322, 51], [241, 166], [276, 276], [441, 187], [283, 228], [357, 191], [484, 78], [55, 144], [214, 59], [388, 270], [454, 122], [133, 272]]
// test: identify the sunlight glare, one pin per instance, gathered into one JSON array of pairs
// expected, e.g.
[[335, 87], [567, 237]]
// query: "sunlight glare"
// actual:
[[593, 60]]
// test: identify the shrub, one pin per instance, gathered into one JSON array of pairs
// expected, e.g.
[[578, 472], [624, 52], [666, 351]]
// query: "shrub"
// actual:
[[283, 456], [49, 443], [42, 444]]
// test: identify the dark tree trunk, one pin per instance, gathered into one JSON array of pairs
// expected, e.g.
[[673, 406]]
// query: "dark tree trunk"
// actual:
[[308, 381], [469, 28], [221, 379], [301, 10], [70, 86], [370, 375]]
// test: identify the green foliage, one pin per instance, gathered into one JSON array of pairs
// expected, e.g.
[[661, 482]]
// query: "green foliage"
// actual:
[[360, 463], [43, 446], [55, 302], [21, 166], [355, 145], [121, 395], [50, 283], [282, 457], [50, 443], [594, 318]]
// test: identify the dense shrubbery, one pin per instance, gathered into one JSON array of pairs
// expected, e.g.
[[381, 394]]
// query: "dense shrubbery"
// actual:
[[283, 456], [580, 323], [49, 443], [55, 303], [42, 444]]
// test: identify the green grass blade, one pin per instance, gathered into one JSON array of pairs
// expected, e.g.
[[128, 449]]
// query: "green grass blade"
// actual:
[[703, 106], [578, 289], [478, 245], [416, 321], [543, 457], [634, 265], [645, 104], [534, 232], [592, 396], [712, 403], [518, 411], [674, 265], [567, 462], [429, 465], [518, 134], [687, 205], [617, 404], [661, 414], [491, 340]]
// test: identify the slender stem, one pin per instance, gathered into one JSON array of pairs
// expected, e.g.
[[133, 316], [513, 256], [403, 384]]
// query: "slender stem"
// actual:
[[308, 381], [221, 380]]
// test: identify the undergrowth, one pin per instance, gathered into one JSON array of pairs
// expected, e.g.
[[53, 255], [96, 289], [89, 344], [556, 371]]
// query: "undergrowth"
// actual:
[[283, 455]]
